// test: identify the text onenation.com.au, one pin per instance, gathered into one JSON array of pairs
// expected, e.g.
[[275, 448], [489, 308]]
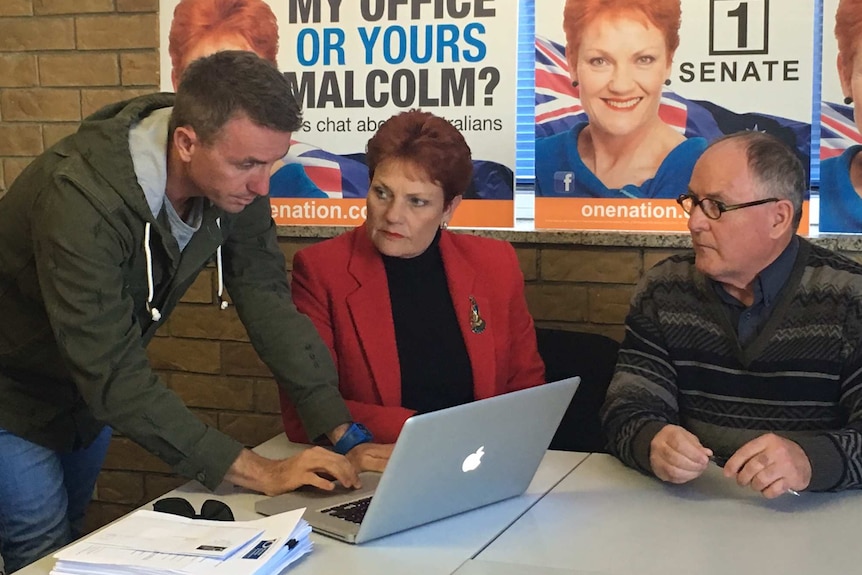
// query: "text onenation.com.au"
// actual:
[[641, 211], [644, 210], [311, 210]]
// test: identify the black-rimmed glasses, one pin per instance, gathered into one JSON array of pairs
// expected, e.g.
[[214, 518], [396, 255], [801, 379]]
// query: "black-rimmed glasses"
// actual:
[[714, 208]]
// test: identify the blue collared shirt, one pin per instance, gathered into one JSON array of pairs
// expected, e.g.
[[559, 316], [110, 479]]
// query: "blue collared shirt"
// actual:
[[767, 286]]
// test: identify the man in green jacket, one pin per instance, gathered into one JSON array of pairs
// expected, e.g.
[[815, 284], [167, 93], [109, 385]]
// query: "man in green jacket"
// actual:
[[99, 238]]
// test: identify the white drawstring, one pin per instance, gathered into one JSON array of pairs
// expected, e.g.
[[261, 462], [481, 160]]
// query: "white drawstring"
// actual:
[[222, 304], [154, 312]]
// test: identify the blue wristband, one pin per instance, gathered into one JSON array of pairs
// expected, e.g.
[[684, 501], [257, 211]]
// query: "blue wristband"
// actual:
[[355, 434]]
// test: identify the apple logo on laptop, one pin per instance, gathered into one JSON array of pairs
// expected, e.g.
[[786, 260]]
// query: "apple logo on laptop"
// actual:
[[473, 460]]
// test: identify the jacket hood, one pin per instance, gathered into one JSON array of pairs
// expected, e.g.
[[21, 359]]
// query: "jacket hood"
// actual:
[[103, 143]]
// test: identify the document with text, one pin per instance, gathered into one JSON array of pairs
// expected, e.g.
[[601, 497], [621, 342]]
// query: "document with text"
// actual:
[[279, 540]]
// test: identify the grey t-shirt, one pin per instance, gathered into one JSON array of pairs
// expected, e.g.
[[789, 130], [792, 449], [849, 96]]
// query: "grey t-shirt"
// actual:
[[148, 144]]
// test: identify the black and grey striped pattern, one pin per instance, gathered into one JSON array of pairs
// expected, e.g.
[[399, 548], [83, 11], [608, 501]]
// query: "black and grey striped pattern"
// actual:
[[801, 377]]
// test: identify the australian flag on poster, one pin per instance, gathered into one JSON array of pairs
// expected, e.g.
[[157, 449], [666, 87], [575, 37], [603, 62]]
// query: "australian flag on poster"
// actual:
[[311, 172], [558, 108], [837, 129]]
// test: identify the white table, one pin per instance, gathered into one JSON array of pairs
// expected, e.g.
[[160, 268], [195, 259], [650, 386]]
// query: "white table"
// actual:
[[480, 567], [439, 547], [604, 518]]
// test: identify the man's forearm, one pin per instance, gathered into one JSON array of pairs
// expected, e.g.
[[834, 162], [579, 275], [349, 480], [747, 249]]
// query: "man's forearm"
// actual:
[[248, 470]]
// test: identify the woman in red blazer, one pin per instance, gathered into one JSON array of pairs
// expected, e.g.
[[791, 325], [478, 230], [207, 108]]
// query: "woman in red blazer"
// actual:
[[416, 318]]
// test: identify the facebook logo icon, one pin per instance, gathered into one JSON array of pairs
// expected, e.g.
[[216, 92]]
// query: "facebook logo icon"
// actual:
[[564, 182]]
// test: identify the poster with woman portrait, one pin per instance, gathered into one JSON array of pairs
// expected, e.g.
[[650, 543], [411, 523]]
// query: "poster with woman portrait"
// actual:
[[840, 139], [352, 65], [630, 92]]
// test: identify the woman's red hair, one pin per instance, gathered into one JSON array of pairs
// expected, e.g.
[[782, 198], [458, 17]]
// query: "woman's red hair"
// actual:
[[430, 143], [195, 20], [663, 14]]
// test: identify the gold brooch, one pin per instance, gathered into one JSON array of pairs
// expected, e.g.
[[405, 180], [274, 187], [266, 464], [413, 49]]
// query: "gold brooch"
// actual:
[[477, 324]]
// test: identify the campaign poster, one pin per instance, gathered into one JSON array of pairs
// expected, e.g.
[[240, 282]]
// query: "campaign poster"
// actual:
[[739, 65], [840, 140], [354, 64]]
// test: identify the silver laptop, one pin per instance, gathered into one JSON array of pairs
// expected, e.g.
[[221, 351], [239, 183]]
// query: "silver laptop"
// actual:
[[445, 462]]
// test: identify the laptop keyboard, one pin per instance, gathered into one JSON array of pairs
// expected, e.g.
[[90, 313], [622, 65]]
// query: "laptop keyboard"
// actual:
[[353, 511]]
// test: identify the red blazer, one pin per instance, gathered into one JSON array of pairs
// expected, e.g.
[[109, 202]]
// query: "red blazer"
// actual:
[[341, 285]]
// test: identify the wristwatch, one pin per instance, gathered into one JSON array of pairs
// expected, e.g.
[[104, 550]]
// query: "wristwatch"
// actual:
[[355, 434]]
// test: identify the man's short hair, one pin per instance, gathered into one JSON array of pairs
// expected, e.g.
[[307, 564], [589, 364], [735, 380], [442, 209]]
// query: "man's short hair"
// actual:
[[229, 84], [774, 166]]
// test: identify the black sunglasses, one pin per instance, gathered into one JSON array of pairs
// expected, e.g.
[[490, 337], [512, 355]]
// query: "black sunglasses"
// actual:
[[211, 509]]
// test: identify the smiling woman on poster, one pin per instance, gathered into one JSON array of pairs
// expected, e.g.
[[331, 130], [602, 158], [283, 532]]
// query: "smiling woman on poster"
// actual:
[[619, 54], [841, 176]]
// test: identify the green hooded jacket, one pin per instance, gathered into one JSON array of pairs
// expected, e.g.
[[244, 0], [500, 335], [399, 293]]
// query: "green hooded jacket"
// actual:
[[73, 294]]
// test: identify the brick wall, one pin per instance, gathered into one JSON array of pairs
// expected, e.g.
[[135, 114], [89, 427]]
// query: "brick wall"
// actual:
[[60, 60]]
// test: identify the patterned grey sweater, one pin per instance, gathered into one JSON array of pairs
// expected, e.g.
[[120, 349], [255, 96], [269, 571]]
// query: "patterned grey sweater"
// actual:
[[801, 377]]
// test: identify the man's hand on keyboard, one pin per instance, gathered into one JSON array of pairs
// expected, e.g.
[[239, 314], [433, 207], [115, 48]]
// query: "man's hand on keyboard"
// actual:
[[311, 467]]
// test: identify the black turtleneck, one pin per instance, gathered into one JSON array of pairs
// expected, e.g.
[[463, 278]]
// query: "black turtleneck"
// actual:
[[435, 367]]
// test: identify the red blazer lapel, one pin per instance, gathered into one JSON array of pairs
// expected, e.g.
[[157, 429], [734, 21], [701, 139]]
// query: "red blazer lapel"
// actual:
[[375, 329], [463, 284]]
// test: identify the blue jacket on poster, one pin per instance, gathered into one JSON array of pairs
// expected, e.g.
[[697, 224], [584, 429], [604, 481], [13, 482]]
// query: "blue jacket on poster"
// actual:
[[560, 172], [840, 205]]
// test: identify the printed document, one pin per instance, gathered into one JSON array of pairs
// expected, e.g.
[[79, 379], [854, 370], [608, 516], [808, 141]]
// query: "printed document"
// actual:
[[282, 539]]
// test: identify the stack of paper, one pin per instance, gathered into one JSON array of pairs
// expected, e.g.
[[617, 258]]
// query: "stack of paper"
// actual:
[[151, 543]]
